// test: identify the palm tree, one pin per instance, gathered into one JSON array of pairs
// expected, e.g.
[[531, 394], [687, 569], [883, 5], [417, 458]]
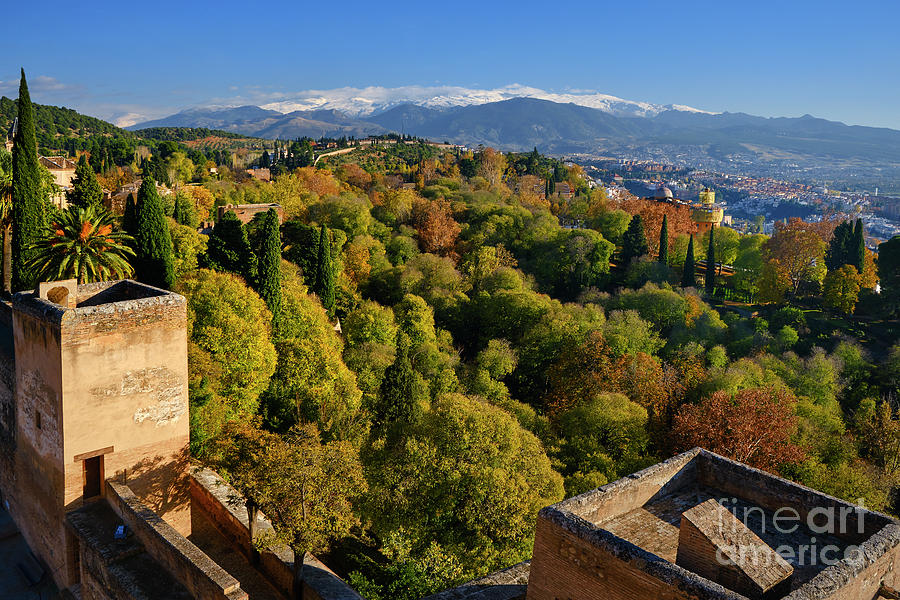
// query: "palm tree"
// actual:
[[82, 245]]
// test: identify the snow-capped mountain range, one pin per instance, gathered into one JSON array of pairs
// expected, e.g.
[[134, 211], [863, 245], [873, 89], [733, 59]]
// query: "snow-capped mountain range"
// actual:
[[363, 102]]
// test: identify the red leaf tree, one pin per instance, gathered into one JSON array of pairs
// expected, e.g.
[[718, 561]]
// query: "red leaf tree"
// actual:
[[753, 426]]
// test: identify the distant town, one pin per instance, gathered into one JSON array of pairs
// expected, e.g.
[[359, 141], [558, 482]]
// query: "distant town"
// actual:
[[748, 198]]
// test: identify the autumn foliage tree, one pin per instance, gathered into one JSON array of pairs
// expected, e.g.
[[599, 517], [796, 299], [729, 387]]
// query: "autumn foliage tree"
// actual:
[[841, 289], [753, 426], [796, 253], [437, 228]]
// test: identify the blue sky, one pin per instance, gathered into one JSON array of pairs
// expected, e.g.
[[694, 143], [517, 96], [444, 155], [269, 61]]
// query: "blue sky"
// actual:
[[837, 60]]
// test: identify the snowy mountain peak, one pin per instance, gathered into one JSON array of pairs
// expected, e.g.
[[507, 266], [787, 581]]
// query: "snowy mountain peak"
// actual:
[[362, 102]]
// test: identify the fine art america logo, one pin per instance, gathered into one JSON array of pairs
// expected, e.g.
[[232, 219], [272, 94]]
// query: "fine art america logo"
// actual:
[[808, 541]]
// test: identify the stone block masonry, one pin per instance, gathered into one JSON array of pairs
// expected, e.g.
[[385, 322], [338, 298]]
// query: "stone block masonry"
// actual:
[[100, 390]]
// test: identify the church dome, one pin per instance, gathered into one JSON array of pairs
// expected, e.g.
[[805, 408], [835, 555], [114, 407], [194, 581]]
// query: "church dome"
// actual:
[[663, 193]]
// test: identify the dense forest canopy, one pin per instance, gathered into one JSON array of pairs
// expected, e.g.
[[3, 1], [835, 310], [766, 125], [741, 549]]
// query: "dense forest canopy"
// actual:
[[508, 335]]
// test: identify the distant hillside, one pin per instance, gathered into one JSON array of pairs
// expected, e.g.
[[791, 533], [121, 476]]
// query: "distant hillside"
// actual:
[[517, 124], [523, 123], [54, 124], [185, 134], [257, 122]]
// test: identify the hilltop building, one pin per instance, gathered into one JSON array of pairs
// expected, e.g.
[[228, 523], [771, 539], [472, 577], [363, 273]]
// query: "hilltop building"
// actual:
[[62, 168], [707, 214]]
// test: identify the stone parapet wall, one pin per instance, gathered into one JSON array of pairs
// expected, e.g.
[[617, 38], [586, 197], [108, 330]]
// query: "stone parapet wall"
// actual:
[[772, 493], [574, 559], [507, 584], [633, 491], [878, 563], [225, 508], [187, 563]]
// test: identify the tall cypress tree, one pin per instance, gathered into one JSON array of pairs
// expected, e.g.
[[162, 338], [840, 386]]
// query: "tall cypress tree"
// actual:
[[710, 277], [28, 198], [688, 276], [325, 271], [634, 241], [398, 401], [228, 249], [838, 253], [858, 248], [153, 264], [664, 241], [86, 191], [269, 264], [129, 219]]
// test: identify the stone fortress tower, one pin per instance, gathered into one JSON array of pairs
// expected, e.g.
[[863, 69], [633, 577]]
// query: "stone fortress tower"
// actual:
[[93, 384]]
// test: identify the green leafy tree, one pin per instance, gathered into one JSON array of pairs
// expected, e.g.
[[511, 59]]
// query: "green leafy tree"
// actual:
[[324, 286], [634, 240], [187, 246], [748, 265], [304, 486], [664, 241], [268, 281], [184, 212], [229, 249], [468, 478], [81, 244], [612, 224], [710, 277], [627, 333], [86, 191], [841, 289], [153, 263], [604, 438], [688, 275], [311, 383], [28, 198], [230, 355]]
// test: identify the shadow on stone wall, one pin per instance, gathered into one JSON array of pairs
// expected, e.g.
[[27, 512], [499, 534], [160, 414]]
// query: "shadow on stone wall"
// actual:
[[162, 482]]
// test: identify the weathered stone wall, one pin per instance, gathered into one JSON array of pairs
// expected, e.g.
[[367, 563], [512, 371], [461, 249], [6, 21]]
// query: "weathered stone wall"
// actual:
[[861, 576], [772, 493], [573, 559], [188, 564], [36, 495], [124, 373], [507, 584], [633, 491]]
